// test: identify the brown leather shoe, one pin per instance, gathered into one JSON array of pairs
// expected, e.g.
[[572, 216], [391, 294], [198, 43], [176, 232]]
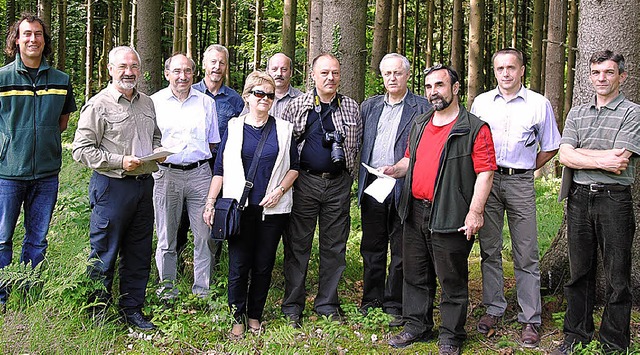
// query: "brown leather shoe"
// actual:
[[486, 323], [529, 337], [404, 339]]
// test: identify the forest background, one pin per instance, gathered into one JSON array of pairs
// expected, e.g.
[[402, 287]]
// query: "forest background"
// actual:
[[47, 310]]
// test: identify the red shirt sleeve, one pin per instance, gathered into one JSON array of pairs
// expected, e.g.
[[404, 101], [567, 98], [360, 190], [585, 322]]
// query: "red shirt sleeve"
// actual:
[[484, 154]]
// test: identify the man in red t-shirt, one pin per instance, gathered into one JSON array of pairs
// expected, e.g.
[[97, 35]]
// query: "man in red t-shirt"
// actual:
[[448, 169]]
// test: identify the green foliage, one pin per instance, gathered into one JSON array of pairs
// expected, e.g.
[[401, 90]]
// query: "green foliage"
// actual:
[[336, 38]]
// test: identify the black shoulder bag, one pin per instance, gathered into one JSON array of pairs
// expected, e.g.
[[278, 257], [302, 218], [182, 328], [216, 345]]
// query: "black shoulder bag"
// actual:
[[227, 211]]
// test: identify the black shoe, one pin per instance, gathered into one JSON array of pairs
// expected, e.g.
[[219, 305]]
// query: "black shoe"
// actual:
[[404, 339], [294, 320], [397, 321], [366, 307], [137, 320], [448, 349], [563, 349]]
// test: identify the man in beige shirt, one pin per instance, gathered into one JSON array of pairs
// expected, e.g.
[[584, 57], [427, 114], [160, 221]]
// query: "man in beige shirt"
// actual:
[[116, 128]]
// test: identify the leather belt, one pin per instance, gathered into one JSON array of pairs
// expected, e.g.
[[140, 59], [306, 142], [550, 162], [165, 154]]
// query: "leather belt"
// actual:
[[603, 187], [323, 175], [511, 171], [137, 177], [185, 167], [424, 202]]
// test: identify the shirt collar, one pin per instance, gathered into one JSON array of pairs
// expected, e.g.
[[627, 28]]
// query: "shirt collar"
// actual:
[[111, 89], [168, 94], [401, 102], [522, 93], [613, 104]]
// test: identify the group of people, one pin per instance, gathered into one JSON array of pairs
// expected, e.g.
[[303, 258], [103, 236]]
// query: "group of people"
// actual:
[[295, 156]]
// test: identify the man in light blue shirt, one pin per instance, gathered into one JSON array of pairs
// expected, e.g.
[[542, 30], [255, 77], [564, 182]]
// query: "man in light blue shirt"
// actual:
[[525, 136]]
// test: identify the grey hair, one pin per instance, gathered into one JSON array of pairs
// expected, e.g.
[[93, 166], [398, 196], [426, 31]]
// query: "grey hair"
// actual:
[[405, 62], [117, 50], [216, 48], [167, 63]]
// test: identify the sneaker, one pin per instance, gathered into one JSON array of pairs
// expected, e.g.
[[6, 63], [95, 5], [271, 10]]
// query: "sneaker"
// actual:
[[137, 320]]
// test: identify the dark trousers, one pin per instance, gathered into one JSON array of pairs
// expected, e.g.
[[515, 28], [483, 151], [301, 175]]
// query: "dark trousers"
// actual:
[[121, 225], [325, 202], [381, 230], [426, 256], [602, 220], [252, 255]]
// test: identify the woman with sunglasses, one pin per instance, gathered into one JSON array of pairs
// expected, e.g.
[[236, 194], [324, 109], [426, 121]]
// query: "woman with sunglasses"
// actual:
[[252, 253]]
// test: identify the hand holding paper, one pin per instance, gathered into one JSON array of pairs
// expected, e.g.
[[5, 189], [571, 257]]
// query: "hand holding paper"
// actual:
[[381, 187]]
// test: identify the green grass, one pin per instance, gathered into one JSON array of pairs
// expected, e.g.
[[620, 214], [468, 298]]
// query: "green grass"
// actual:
[[51, 317]]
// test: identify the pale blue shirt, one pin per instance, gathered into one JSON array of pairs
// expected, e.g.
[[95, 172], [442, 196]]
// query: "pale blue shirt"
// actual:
[[192, 124], [520, 127]]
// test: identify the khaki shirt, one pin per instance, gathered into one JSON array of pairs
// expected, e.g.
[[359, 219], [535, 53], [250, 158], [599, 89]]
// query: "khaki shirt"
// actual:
[[110, 127]]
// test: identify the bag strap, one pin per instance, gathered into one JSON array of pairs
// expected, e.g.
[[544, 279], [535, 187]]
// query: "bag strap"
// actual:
[[254, 163]]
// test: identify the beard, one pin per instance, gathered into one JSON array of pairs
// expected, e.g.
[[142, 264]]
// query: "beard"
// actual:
[[127, 85], [439, 102]]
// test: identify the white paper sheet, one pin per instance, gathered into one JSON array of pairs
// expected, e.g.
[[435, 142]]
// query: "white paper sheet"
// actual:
[[381, 187], [163, 152]]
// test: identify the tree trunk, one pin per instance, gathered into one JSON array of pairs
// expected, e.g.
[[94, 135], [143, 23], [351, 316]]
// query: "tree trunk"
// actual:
[[622, 35], [88, 75], [190, 29], [380, 34], [344, 23], [415, 73], [222, 30], [44, 12], [491, 38], [315, 35], [536, 45], [149, 45], [554, 83], [442, 29], [289, 29], [572, 42], [178, 5], [133, 38], [125, 13], [430, 25], [393, 27], [402, 11], [514, 25], [103, 73], [476, 49], [257, 35], [61, 54], [457, 48]]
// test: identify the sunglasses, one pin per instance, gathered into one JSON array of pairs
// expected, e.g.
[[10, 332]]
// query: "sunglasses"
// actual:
[[261, 94]]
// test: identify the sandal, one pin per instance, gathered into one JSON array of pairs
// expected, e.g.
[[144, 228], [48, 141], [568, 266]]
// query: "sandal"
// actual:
[[237, 332], [255, 327]]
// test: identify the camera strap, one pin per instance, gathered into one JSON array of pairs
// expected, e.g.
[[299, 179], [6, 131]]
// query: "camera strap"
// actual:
[[314, 126]]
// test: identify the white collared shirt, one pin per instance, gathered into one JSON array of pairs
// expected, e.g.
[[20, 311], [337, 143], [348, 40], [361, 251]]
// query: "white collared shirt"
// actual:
[[192, 124], [519, 126]]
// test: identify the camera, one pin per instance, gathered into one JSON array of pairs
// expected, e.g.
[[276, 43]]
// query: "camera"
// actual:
[[334, 140]]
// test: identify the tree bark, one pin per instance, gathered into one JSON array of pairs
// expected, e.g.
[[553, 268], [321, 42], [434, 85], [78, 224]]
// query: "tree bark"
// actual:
[[133, 39], [149, 45], [289, 29], [61, 53], [476, 49], [393, 27], [572, 42], [380, 34], [190, 29], [430, 25], [125, 13], [88, 75], [178, 5], [554, 83], [103, 73], [621, 34], [514, 25], [402, 21], [257, 35], [415, 73], [457, 33], [315, 35], [536, 45], [44, 12], [343, 30], [442, 29]]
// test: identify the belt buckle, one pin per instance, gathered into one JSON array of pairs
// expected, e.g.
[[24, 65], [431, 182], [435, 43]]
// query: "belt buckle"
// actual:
[[510, 171], [595, 187], [326, 175], [248, 184]]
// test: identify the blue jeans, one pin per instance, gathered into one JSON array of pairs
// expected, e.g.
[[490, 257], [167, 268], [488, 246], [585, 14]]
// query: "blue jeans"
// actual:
[[39, 198], [599, 219]]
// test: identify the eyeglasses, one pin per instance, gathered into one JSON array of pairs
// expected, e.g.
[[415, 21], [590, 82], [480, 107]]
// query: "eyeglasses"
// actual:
[[261, 94], [187, 72]]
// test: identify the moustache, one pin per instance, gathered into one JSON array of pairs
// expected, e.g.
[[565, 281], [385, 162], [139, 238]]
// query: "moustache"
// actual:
[[278, 77], [129, 77]]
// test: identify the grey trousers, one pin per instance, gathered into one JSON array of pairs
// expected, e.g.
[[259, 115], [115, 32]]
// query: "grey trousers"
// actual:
[[174, 189], [324, 202], [514, 194]]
